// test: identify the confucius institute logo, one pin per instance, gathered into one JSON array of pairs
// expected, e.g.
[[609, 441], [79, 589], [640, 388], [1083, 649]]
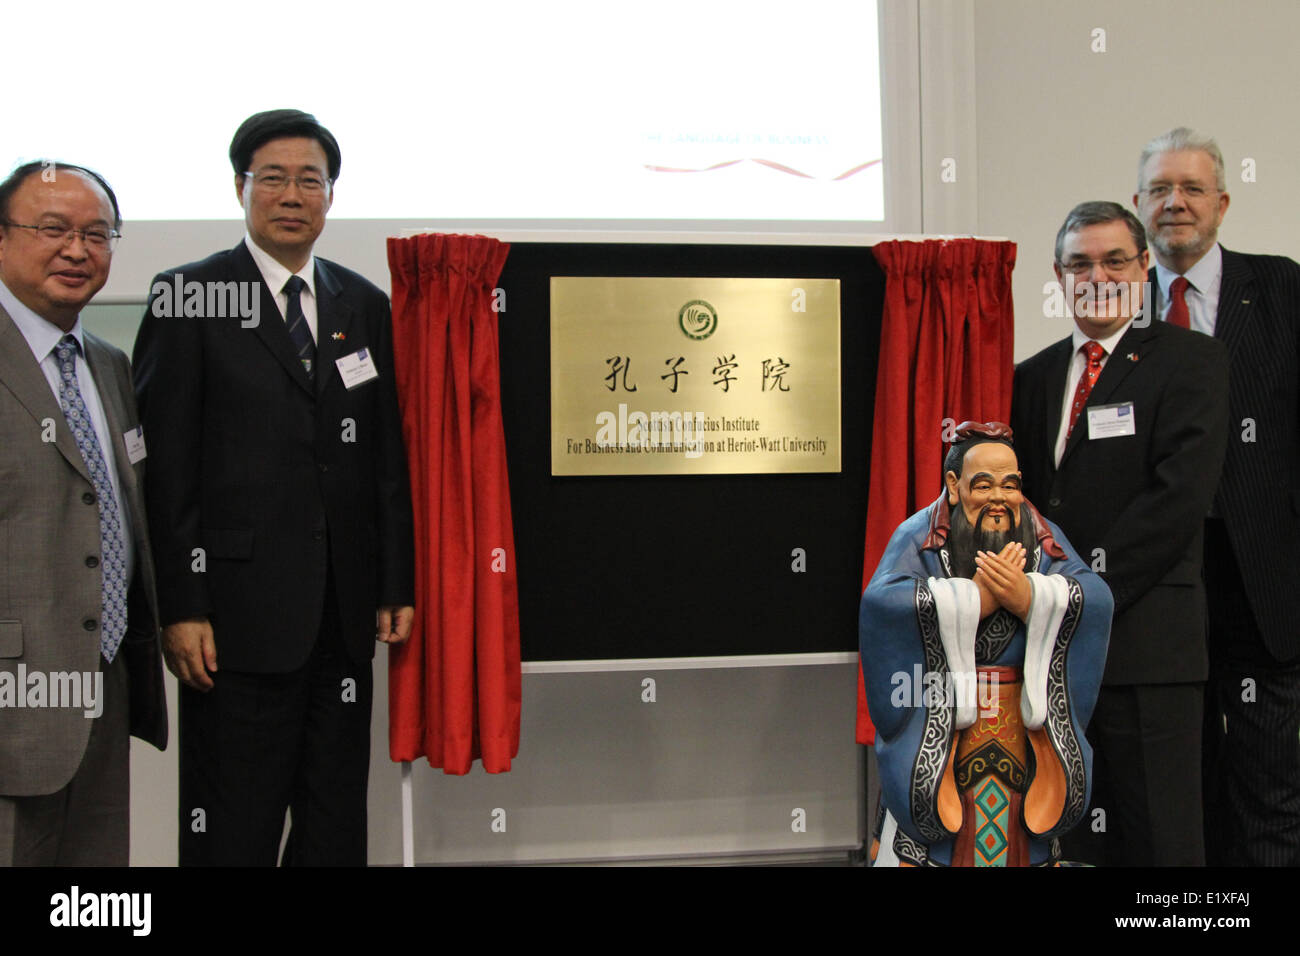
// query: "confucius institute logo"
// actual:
[[698, 319]]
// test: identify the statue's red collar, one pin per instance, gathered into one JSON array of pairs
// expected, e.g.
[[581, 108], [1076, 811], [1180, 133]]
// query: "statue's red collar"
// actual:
[[941, 521]]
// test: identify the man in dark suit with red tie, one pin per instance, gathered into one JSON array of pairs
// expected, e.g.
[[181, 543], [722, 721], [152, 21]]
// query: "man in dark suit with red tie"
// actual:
[[1120, 431], [1250, 303], [280, 510]]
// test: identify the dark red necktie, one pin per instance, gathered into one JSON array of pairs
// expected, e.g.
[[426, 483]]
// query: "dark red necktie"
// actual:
[[1178, 304], [1087, 380]]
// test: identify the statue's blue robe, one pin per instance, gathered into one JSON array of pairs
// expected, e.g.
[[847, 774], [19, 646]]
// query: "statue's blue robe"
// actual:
[[899, 632]]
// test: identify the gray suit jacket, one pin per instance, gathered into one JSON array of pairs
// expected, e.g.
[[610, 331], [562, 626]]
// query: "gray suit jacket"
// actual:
[[49, 591]]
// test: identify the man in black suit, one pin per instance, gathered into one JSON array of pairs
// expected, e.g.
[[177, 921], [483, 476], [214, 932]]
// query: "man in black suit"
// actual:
[[1251, 303], [281, 513], [1127, 466]]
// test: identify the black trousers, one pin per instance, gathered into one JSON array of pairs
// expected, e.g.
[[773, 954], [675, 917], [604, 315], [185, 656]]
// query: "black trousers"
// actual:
[[1146, 790], [257, 745], [1252, 728]]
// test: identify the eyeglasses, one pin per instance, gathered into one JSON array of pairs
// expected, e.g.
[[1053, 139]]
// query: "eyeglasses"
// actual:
[[279, 182], [1158, 191], [1112, 264], [96, 238]]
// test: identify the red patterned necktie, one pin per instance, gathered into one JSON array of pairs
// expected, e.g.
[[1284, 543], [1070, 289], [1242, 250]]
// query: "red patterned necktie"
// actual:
[[1095, 353], [1177, 304]]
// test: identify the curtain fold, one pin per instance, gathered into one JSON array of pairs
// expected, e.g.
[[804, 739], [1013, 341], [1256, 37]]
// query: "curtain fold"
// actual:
[[946, 347], [454, 687]]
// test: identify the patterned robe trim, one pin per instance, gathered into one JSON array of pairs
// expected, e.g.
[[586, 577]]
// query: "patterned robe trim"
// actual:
[[936, 738], [909, 851], [995, 759], [996, 633], [897, 848]]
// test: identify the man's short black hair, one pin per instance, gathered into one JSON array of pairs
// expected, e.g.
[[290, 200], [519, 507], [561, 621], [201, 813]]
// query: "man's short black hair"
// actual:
[[260, 128], [1096, 213], [20, 175]]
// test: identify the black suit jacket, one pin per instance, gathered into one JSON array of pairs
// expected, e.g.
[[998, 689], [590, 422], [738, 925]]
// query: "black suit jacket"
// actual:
[[1259, 495], [1140, 498], [276, 478]]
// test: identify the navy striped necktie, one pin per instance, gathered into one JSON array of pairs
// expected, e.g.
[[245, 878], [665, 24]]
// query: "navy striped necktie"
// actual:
[[299, 333]]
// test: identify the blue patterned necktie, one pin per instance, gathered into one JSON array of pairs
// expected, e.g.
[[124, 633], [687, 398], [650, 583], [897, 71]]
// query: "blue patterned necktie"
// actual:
[[112, 560], [303, 343]]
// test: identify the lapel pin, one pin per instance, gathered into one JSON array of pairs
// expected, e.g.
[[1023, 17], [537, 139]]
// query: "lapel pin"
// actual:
[[1245, 302], [1132, 356], [337, 336]]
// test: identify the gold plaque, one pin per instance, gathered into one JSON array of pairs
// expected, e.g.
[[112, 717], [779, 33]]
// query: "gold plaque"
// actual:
[[680, 376]]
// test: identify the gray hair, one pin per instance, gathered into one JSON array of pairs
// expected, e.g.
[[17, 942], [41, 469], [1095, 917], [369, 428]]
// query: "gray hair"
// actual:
[[1096, 213], [1180, 140]]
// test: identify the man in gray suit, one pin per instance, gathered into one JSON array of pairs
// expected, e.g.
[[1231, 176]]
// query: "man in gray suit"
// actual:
[[80, 667]]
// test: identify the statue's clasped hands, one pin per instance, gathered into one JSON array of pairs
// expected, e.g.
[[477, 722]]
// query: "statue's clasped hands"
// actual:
[[1002, 581]]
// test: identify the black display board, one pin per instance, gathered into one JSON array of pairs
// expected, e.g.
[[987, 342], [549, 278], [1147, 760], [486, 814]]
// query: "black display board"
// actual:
[[684, 566]]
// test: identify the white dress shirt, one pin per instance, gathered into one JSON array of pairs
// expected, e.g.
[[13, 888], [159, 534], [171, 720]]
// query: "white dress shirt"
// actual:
[[1078, 363], [1202, 295], [42, 336], [276, 275]]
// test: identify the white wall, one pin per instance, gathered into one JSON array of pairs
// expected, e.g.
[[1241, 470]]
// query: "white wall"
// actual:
[[1058, 124]]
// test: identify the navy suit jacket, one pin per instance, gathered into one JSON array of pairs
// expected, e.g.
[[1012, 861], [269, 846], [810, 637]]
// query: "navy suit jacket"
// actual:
[[263, 482], [1135, 502]]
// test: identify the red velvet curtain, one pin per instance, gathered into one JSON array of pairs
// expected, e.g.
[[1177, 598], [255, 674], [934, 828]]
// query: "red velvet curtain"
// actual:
[[945, 353], [454, 687]]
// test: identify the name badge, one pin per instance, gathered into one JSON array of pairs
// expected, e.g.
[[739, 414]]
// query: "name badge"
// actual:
[[357, 368], [1111, 421], [134, 444]]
